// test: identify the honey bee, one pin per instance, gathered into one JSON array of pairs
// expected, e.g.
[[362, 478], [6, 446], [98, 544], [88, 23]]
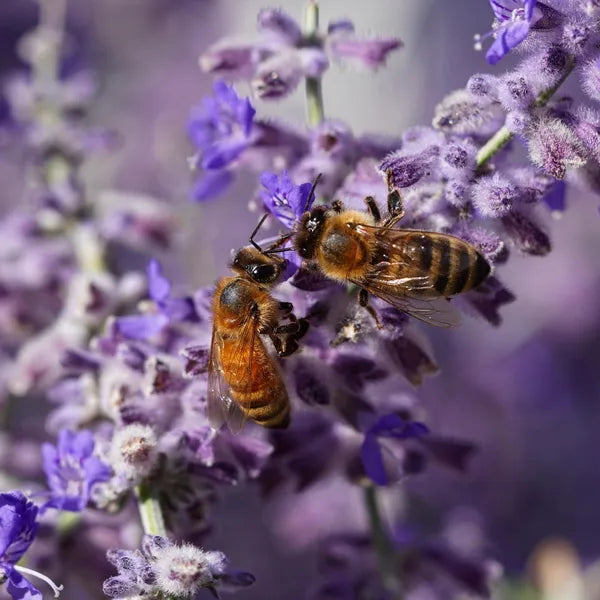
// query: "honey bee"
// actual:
[[414, 271], [244, 380]]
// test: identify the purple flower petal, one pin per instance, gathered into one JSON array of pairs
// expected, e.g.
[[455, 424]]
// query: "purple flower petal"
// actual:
[[159, 287], [506, 40], [17, 525], [141, 327], [372, 459], [20, 588], [211, 184]]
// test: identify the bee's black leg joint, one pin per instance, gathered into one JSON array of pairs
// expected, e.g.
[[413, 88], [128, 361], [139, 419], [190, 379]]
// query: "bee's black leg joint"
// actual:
[[337, 206], [363, 300], [373, 208], [286, 308], [395, 208]]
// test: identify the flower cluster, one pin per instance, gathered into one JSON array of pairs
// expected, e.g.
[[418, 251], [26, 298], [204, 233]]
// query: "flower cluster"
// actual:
[[125, 358]]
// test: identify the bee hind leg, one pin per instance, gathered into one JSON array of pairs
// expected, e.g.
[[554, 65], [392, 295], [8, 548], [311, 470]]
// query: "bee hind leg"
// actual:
[[284, 345], [363, 300]]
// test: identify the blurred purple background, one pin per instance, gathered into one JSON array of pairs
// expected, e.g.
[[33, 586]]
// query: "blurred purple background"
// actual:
[[527, 393]]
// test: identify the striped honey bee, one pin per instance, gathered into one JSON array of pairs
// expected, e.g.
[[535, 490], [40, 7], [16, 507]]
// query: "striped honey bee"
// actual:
[[244, 379], [414, 271]]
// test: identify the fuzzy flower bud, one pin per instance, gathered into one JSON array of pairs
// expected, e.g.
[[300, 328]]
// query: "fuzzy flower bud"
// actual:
[[591, 78], [494, 196], [460, 113], [483, 85], [542, 70], [526, 234], [514, 92], [134, 452], [279, 24], [406, 170], [555, 148], [517, 121], [458, 160], [182, 570]]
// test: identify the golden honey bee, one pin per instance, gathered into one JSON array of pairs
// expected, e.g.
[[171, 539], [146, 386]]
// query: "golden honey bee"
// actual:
[[414, 271], [244, 380]]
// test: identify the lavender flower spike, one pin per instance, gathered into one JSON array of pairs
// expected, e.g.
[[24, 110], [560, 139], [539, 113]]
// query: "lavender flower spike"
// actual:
[[18, 527], [514, 18], [72, 470]]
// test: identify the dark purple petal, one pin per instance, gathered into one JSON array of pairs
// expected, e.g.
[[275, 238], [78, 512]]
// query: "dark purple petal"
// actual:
[[372, 459], [178, 309], [555, 198], [224, 152]]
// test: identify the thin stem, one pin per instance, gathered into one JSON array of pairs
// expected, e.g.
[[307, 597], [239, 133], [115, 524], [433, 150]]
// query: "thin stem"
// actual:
[[314, 95], [385, 551], [503, 135], [55, 588], [150, 511]]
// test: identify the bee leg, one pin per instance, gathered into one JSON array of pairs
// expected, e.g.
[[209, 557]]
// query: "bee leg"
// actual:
[[297, 328], [395, 208], [373, 208], [286, 308], [337, 206], [284, 346], [363, 300]]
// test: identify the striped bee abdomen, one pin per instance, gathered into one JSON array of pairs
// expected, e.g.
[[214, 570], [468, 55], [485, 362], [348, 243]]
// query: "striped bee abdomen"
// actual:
[[256, 385], [453, 265]]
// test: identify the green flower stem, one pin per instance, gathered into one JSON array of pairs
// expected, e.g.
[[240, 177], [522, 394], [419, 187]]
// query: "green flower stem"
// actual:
[[386, 554], [150, 511], [314, 94], [503, 135]]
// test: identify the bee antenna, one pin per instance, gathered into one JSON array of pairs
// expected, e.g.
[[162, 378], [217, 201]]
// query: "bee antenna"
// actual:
[[312, 190], [258, 226]]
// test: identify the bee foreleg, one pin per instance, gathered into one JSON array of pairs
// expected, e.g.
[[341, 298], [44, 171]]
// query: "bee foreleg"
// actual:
[[373, 208], [395, 208], [363, 300], [285, 308], [296, 329]]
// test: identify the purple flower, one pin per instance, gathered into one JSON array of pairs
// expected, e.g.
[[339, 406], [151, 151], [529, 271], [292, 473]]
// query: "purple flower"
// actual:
[[163, 568], [18, 527], [220, 129], [514, 18], [72, 470], [284, 200], [142, 327], [390, 426]]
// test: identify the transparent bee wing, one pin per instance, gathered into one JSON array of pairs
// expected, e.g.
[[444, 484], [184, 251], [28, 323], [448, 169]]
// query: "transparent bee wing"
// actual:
[[412, 292], [221, 407]]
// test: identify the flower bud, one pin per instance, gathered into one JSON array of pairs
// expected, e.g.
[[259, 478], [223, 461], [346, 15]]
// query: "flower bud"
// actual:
[[555, 148], [526, 234], [494, 196], [591, 78], [134, 451]]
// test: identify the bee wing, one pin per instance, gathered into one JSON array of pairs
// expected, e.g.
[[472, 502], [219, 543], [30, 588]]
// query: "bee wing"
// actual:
[[414, 294], [221, 406]]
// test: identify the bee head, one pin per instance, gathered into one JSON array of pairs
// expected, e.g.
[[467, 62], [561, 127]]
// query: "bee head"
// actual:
[[309, 231], [262, 268]]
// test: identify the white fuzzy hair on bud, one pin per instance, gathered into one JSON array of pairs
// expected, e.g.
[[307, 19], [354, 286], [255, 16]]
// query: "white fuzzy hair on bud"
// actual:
[[134, 451], [182, 570]]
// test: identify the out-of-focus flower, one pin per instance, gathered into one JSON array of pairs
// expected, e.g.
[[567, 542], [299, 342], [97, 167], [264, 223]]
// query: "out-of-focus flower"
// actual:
[[164, 568], [220, 130], [72, 469], [168, 308], [390, 426]]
